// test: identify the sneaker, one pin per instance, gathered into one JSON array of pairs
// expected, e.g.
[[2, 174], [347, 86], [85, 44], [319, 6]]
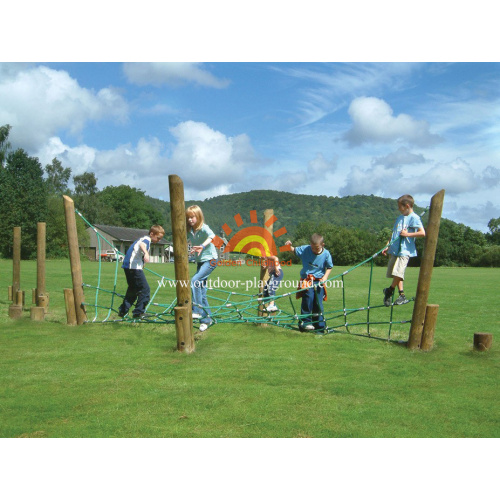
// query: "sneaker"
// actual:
[[203, 327], [196, 316], [309, 327], [387, 297], [401, 300], [272, 308], [121, 314], [138, 316]]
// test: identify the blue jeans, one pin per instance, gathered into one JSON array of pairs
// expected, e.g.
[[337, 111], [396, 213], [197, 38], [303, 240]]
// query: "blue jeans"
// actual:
[[199, 289], [138, 289], [312, 305], [273, 283]]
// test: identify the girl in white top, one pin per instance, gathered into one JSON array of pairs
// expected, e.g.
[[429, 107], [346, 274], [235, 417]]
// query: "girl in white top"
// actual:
[[200, 236]]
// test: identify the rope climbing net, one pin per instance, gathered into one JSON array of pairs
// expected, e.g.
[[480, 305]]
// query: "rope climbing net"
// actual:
[[373, 319]]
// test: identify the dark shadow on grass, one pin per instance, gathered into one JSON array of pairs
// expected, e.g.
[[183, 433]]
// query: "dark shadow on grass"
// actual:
[[473, 353]]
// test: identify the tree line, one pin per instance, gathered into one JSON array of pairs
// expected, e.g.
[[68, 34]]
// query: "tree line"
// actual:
[[354, 227], [32, 193]]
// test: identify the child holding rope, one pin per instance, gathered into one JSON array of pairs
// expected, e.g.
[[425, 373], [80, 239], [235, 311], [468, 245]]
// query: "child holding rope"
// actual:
[[272, 264], [200, 236], [407, 227], [317, 264], [133, 263]]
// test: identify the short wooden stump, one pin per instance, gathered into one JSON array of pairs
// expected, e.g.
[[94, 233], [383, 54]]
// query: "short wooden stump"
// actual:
[[15, 312], [37, 313], [483, 341]]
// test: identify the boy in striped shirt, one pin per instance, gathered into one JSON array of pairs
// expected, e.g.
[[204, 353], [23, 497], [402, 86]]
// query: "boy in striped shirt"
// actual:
[[138, 288]]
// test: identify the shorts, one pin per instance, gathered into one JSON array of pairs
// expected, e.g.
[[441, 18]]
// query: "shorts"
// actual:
[[397, 266]]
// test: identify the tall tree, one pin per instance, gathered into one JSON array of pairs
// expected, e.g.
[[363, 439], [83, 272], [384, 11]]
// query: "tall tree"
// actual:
[[131, 207], [57, 178], [85, 195], [4, 143], [24, 201], [494, 227], [85, 184], [57, 238]]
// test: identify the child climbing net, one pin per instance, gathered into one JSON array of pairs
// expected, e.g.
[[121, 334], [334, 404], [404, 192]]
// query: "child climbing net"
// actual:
[[229, 306]]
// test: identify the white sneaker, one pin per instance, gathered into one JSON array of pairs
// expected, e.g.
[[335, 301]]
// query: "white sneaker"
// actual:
[[196, 316], [309, 327], [271, 309], [203, 327]]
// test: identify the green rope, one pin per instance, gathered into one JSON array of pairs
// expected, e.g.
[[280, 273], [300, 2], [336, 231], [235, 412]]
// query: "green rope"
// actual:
[[240, 308]]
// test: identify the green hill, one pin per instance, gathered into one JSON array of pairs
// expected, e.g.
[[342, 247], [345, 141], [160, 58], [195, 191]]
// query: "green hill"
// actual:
[[370, 213]]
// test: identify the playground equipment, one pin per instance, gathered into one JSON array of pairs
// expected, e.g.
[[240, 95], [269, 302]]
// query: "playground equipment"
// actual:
[[15, 292], [425, 274], [234, 307], [40, 296]]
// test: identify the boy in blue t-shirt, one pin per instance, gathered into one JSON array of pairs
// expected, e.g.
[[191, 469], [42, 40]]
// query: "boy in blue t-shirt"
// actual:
[[317, 264], [133, 263], [407, 227]]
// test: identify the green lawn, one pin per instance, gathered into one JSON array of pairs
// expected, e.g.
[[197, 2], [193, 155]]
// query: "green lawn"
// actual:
[[244, 380]]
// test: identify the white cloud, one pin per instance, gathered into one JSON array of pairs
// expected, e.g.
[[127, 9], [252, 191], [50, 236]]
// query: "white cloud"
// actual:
[[207, 160], [80, 158], [374, 121], [403, 156], [332, 84], [475, 216], [171, 73], [320, 166], [456, 177], [38, 102]]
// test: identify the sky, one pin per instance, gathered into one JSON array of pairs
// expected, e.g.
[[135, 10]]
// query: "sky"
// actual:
[[271, 111], [333, 129]]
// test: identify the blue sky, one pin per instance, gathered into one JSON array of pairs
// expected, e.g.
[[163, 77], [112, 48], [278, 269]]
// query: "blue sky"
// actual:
[[334, 129]]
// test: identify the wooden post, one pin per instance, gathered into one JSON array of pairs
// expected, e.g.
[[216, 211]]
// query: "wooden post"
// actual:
[[69, 302], [74, 259], [15, 312], [184, 328], [483, 341], [16, 265], [264, 273], [37, 313], [425, 273], [38, 294], [16, 308], [183, 311], [431, 313], [42, 299], [9, 293]]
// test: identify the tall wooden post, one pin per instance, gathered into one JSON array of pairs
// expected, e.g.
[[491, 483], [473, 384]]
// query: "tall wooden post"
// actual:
[[74, 259], [183, 311], [40, 308], [42, 299], [16, 264], [16, 308], [426, 267], [264, 273]]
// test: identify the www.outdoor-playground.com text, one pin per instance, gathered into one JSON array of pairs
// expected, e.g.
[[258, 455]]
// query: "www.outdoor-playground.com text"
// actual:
[[246, 284]]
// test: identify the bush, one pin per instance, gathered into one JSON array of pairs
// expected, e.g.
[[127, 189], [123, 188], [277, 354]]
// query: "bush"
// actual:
[[489, 258]]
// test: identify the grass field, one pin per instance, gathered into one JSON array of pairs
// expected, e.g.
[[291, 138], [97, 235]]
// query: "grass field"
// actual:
[[244, 380]]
